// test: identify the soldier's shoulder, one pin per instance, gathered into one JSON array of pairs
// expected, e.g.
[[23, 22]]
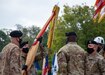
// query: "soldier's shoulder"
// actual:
[[62, 49], [79, 48], [13, 45], [100, 57], [10, 47]]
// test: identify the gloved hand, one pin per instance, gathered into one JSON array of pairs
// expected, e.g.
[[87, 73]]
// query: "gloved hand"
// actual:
[[25, 50], [40, 39], [24, 67], [23, 43]]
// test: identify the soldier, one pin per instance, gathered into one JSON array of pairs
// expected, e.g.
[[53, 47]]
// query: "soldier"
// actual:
[[32, 71], [41, 53], [71, 57], [11, 55], [101, 45], [94, 62], [100, 41], [25, 48]]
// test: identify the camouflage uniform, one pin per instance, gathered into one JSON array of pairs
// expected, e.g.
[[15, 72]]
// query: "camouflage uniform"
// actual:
[[41, 54], [94, 65], [11, 60], [32, 70], [71, 59], [102, 52]]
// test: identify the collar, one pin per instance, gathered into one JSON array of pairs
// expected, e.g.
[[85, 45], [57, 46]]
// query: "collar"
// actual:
[[72, 42]]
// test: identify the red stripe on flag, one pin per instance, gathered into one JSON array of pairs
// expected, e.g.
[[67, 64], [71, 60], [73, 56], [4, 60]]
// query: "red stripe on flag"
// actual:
[[44, 28], [99, 8]]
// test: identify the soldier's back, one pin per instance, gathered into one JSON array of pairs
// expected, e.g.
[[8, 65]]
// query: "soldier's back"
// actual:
[[10, 60], [74, 57]]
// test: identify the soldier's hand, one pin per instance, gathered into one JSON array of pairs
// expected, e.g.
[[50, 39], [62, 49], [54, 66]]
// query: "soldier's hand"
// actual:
[[40, 39], [24, 67], [25, 50]]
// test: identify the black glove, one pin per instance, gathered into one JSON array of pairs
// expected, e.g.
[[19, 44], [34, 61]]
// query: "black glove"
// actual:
[[23, 44], [25, 50], [40, 39], [24, 67]]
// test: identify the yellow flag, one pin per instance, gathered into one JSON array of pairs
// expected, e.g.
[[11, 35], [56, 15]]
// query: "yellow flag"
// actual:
[[52, 26]]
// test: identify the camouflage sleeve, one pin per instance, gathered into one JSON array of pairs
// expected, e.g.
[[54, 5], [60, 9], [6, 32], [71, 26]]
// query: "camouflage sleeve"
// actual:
[[101, 52], [32, 71], [41, 54], [102, 66], [62, 63], [15, 66], [38, 55]]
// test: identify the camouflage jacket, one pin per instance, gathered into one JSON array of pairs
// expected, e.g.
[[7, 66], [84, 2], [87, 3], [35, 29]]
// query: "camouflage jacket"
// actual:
[[71, 59], [94, 65], [32, 70], [10, 60], [102, 52]]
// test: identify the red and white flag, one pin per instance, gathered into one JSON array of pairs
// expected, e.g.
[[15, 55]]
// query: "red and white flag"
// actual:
[[99, 4]]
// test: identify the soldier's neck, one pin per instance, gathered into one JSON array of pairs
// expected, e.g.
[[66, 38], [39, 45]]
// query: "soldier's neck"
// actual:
[[15, 42]]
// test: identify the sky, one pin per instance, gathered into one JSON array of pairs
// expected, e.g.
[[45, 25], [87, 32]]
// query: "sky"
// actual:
[[31, 12]]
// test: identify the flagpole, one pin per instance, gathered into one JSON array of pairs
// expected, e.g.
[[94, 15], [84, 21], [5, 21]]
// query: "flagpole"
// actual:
[[34, 47]]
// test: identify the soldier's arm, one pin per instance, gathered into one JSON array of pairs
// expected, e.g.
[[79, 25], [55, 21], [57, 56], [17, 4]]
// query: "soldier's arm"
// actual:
[[15, 66], [102, 66], [62, 63], [41, 53]]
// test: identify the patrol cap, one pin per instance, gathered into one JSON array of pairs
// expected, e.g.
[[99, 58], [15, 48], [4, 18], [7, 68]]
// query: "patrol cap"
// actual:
[[71, 34], [16, 33], [92, 42]]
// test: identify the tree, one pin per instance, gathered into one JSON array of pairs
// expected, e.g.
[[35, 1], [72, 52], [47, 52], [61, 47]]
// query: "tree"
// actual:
[[80, 20], [4, 39], [30, 33]]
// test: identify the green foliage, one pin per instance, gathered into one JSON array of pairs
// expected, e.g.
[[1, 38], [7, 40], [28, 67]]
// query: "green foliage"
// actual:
[[76, 18], [4, 39], [80, 20], [30, 33], [39, 72]]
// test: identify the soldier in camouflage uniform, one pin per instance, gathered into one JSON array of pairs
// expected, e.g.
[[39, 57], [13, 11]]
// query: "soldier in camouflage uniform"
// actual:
[[71, 57], [94, 62], [11, 55], [41, 53], [25, 48], [101, 45]]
